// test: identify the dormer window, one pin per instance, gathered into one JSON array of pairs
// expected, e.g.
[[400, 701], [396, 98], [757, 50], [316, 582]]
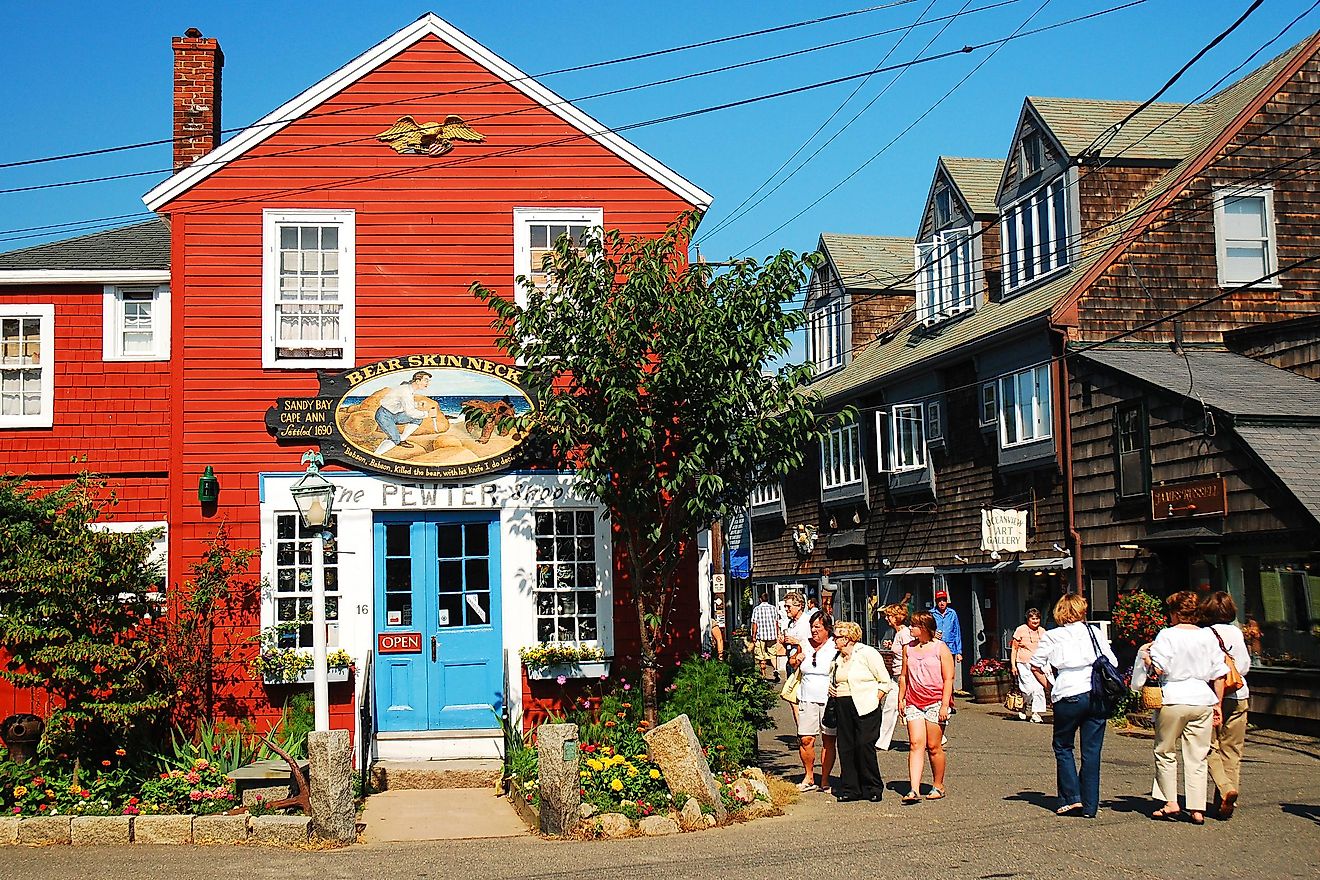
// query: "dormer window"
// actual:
[[828, 332], [1033, 154], [948, 275], [943, 206], [1034, 232]]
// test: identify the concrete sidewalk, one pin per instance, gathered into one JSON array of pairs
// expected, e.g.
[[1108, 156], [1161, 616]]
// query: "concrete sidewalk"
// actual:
[[439, 814]]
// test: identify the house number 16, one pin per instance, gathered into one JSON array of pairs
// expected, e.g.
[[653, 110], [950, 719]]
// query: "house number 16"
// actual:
[[362, 609]]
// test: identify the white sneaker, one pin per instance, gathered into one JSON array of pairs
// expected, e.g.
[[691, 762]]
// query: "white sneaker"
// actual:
[[1022, 716], [1035, 718]]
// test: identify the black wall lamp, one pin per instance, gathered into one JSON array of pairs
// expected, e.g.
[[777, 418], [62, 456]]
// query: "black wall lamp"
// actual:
[[208, 487]]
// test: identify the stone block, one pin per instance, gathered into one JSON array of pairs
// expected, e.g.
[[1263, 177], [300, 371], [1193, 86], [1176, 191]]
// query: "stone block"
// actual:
[[266, 793], [9, 830], [280, 830], [101, 830], [558, 779], [658, 826], [690, 817], [757, 810], [586, 811], [710, 820], [330, 764], [44, 830], [171, 829], [220, 829], [755, 773], [674, 746], [612, 824]]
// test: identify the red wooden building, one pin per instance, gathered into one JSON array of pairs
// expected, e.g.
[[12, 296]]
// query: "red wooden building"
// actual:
[[339, 232]]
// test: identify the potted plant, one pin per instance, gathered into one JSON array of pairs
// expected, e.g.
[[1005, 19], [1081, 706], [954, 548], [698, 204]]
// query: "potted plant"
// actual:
[[985, 677], [288, 665], [556, 659], [1137, 617]]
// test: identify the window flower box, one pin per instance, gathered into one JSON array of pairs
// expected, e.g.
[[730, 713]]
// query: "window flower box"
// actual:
[[566, 659], [578, 669], [333, 674]]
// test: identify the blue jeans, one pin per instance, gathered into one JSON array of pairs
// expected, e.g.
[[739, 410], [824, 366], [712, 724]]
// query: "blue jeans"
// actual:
[[1072, 714]]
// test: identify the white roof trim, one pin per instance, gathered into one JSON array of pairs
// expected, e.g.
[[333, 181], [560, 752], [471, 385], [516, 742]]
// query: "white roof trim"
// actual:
[[84, 276], [429, 24]]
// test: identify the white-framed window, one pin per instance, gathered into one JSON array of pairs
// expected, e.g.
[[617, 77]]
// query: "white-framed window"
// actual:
[[1034, 233], [535, 232], [308, 289], [1024, 407], [841, 457], [27, 366], [135, 323], [907, 421], [934, 421], [567, 584], [159, 559], [948, 275], [989, 405], [827, 332], [769, 493], [293, 579], [1245, 247]]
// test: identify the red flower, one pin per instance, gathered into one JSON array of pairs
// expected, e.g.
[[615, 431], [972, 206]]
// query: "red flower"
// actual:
[[41, 807], [105, 763]]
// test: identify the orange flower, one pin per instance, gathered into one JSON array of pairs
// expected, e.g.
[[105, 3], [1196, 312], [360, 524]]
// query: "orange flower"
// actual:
[[120, 752], [621, 714], [105, 763], [610, 724]]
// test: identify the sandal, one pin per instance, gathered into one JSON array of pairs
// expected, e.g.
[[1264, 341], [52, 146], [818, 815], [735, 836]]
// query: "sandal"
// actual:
[[911, 798], [807, 786], [1196, 818], [936, 794], [1069, 808], [824, 789], [1163, 815]]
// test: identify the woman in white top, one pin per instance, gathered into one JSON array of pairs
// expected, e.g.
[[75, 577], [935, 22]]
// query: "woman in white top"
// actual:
[[1191, 663], [1217, 614], [814, 662], [896, 615], [1069, 651]]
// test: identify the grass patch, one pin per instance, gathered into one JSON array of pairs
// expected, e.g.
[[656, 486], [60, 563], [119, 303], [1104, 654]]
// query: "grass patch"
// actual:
[[782, 792]]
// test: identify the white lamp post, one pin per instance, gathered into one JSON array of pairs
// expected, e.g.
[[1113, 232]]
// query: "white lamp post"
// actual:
[[314, 496]]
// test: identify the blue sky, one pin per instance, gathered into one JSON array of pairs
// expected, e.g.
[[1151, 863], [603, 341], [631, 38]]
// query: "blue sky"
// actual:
[[83, 75]]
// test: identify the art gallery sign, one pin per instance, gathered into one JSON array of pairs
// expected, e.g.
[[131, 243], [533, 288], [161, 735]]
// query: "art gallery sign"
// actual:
[[409, 416], [1003, 531]]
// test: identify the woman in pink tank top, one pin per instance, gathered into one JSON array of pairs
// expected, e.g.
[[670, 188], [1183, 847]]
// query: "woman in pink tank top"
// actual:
[[925, 693]]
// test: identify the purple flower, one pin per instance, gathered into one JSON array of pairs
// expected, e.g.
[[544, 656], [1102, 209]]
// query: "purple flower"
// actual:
[[604, 678], [678, 662], [705, 655], [563, 679], [627, 687]]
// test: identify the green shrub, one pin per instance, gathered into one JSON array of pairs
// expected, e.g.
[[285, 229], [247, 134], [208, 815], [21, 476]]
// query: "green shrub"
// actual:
[[727, 703]]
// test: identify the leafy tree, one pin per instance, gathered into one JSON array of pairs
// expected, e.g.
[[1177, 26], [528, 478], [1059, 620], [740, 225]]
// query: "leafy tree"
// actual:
[[653, 378], [75, 613]]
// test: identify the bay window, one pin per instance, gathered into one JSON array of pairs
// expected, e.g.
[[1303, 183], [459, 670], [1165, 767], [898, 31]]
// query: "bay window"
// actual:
[[841, 457], [1025, 407], [908, 442]]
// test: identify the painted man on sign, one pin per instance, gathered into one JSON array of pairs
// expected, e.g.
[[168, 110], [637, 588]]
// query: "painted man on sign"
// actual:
[[399, 409]]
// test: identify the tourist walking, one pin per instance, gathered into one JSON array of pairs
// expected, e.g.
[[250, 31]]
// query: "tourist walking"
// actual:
[[814, 662], [858, 684], [949, 630], [1068, 652], [765, 636], [1225, 762], [925, 696], [1026, 639], [1191, 663], [892, 650]]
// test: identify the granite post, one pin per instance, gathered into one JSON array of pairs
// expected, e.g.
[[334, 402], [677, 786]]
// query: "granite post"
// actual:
[[559, 779], [330, 768], [674, 746]]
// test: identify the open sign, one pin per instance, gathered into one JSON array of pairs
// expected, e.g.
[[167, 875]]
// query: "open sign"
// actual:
[[399, 643]]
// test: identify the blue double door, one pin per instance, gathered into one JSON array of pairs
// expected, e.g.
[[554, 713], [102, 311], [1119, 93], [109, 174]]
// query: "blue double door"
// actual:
[[440, 663]]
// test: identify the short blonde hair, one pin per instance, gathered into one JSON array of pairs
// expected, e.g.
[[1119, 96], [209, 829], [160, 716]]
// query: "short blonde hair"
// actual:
[[849, 630], [1070, 608], [796, 598], [896, 611]]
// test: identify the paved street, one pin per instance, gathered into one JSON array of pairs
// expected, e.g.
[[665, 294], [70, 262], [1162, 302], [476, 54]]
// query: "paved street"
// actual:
[[996, 823]]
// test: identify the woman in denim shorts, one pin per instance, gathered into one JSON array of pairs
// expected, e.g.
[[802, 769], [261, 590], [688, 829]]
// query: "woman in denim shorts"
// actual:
[[925, 695]]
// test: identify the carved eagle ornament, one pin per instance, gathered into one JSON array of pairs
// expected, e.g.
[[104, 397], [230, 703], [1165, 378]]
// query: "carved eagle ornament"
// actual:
[[408, 137]]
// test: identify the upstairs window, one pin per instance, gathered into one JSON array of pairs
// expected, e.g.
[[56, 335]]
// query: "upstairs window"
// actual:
[[1025, 407], [989, 405], [827, 333], [1244, 236], [1132, 444], [948, 275], [1033, 154], [908, 442], [943, 206], [841, 457], [765, 495], [1035, 232], [136, 323], [309, 289], [27, 369], [536, 231]]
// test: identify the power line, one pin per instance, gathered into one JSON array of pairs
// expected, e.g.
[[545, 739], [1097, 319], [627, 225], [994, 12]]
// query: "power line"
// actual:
[[575, 69]]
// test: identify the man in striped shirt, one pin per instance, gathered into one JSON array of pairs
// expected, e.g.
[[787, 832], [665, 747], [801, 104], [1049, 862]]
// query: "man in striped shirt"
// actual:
[[765, 635]]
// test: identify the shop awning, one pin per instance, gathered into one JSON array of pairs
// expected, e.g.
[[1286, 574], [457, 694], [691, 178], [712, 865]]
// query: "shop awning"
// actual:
[[1048, 563], [1179, 536], [915, 569]]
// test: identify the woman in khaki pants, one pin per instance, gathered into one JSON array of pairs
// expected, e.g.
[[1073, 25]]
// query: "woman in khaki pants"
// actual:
[[1217, 614], [1189, 660]]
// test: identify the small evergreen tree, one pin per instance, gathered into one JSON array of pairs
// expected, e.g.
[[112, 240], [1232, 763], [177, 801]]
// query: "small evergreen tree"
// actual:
[[653, 379], [75, 613]]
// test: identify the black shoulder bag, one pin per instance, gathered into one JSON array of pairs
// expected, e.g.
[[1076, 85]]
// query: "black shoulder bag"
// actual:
[[1108, 690]]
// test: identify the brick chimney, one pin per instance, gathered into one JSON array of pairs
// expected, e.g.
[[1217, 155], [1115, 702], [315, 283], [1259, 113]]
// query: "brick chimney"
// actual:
[[197, 65]]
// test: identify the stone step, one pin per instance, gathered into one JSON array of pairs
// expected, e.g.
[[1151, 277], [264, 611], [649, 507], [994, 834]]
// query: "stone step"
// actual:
[[447, 773]]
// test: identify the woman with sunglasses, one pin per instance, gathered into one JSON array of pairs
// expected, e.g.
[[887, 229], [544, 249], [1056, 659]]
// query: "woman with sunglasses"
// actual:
[[859, 682], [814, 661]]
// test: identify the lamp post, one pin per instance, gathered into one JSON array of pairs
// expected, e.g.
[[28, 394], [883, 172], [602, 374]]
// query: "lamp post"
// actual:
[[314, 496]]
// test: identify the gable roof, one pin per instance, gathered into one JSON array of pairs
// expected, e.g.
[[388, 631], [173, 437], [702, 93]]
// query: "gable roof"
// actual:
[[976, 179], [1229, 382], [1165, 132], [893, 354], [140, 252], [428, 25], [870, 262], [1292, 454]]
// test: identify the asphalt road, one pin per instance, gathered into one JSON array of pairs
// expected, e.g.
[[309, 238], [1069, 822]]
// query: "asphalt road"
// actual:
[[997, 822]]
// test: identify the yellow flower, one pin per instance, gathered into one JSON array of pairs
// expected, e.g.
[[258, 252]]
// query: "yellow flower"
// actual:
[[617, 785], [632, 771], [20, 790], [595, 765], [49, 793], [585, 775], [655, 774]]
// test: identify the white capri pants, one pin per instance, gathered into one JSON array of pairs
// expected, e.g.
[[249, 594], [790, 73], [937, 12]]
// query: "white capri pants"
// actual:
[[1031, 689]]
